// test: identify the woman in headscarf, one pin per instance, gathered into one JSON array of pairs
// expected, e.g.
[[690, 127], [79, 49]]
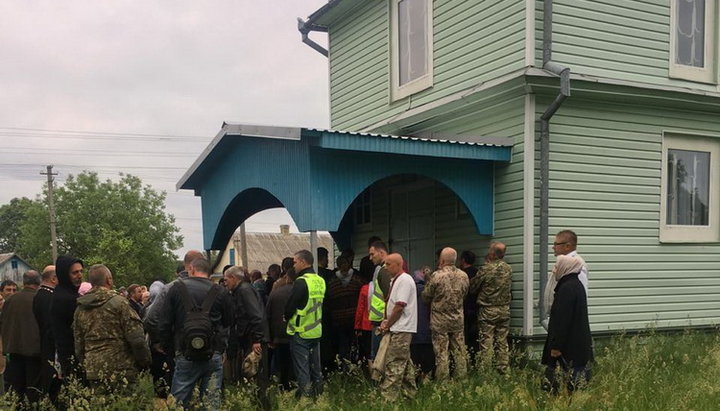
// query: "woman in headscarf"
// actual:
[[569, 343]]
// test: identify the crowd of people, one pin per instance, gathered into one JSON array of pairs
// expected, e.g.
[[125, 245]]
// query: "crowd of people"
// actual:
[[290, 328]]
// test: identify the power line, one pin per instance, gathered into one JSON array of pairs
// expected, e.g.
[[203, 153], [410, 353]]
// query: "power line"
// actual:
[[107, 133], [91, 166]]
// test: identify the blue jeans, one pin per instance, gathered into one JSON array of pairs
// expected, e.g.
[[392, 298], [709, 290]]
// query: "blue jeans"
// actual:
[[375, 339], [306, 358], [188, 373]]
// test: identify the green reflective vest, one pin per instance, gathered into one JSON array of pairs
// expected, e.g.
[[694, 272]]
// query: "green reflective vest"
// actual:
[[377, 302], [307, 322]]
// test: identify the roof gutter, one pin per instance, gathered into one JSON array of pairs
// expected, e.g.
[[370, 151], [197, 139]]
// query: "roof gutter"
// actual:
[[564, 73], [305, 27]]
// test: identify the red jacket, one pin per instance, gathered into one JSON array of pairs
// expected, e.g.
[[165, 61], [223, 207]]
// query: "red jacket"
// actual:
[[362, 321]]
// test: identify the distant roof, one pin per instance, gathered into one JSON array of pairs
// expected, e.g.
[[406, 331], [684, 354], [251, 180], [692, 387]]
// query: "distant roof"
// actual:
[[265, 249], [463, 147], [7, 256]]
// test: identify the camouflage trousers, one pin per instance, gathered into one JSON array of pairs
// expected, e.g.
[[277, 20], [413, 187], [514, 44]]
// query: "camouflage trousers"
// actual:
[[399, 370], [493, 324], [445, 344]]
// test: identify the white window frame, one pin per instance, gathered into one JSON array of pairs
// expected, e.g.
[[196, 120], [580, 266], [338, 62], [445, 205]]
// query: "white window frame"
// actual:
[[687, 233], [698, 74], [421, 83]]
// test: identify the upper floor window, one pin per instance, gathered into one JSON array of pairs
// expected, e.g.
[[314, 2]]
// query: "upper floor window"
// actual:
[[693, 41], [411, 46], [690, 195]]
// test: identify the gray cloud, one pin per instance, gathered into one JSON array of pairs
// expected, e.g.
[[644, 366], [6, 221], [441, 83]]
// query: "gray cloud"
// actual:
[[166, 68]]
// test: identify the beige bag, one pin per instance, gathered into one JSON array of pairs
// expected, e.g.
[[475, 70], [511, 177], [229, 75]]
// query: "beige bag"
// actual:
[[251, 364], [377, 368]]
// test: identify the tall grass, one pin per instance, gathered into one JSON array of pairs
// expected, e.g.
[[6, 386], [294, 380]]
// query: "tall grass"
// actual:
[[646, 372]]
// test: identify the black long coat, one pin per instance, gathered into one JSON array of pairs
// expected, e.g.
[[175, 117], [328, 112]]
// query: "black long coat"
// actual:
[[569, 329]]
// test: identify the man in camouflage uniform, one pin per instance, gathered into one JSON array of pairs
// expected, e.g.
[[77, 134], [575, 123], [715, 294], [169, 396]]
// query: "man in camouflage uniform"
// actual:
[[109, 339], [492, 286], [445, 292]]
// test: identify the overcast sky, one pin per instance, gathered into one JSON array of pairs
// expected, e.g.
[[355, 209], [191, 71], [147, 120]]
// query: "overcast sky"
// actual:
[[141, 87]]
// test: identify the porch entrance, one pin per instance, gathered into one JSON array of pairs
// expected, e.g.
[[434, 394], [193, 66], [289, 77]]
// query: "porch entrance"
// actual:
[[412, 225]]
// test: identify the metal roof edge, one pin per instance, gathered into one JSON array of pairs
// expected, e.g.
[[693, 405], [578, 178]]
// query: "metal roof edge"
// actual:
[[201, 158], [236, 129], [329, 12]]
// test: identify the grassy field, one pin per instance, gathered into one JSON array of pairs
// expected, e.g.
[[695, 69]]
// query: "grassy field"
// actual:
[[650, 372]]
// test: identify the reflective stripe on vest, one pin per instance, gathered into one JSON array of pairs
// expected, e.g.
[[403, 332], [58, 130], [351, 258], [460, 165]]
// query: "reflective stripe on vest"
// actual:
[[307, 322], [377, 302]]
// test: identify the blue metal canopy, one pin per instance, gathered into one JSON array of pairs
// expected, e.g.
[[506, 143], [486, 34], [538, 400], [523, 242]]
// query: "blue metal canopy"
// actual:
[[316, 174]]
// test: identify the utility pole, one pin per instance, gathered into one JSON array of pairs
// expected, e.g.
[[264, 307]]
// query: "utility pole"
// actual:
[[51, 208], [243, 246]]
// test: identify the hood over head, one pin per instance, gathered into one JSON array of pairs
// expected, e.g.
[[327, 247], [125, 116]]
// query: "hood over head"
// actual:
[[62, 270], [95, 298]]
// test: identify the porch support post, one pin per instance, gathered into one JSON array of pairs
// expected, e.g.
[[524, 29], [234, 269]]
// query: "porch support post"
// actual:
[[313, 249]]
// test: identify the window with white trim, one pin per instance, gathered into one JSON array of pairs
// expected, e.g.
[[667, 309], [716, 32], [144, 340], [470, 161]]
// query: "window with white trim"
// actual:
[[411, 26], [693, 41], [690, 189]]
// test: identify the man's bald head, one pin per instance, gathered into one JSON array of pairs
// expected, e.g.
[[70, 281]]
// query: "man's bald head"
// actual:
[[191, 256], [48, 276], [496, 251], [448, 256], [394, 264]]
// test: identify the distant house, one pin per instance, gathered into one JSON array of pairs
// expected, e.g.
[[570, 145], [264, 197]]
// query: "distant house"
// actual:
[[264, 249], [12, 267]]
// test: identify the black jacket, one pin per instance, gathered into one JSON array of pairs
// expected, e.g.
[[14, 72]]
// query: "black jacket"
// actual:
[[248, 325], [43, 315], [172, 313], [569, 329], [64, 302], [299, 295], [275, 314]]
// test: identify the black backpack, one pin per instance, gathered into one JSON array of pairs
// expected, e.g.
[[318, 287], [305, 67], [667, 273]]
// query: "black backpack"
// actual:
[[197, 332]]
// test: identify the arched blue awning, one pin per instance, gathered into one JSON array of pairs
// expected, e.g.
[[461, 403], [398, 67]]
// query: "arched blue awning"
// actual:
[[316, 174]]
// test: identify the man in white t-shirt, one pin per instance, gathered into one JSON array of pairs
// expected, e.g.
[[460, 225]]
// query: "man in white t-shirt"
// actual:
[[401, 322]]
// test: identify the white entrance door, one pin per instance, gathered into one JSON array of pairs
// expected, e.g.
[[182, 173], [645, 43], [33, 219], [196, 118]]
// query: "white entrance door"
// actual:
[[412, 225]]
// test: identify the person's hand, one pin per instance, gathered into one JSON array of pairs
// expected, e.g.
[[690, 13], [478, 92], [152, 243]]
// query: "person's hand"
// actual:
[[257, 348], [158, 348], [384, 326], [555, 353]]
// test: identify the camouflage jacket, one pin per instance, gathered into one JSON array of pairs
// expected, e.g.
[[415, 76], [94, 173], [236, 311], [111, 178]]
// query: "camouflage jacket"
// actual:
[[493, 284], [445, 291], [109, 338]]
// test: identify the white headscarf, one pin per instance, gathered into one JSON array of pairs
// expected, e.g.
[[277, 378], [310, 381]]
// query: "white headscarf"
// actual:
[[564, 265]]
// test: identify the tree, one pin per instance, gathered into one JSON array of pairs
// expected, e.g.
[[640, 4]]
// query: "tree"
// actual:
[[12, 217], [123, 225]]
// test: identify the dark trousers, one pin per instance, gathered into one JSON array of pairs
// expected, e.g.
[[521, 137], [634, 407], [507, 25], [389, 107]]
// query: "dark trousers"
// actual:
[[364, 345], [344, 338], [48, 380], [282, 366], [423, 356], [23, 376], [162, 372], [560, 371]]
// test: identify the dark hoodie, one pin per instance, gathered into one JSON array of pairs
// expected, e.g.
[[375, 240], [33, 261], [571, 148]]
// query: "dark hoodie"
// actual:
[[64, 302]]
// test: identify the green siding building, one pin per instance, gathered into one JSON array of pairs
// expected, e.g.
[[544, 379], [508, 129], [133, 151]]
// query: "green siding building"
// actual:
[[633, 160]]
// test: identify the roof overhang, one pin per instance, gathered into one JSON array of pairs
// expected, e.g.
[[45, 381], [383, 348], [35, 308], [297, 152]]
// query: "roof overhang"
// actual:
[[333, 10], [469, 148]]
